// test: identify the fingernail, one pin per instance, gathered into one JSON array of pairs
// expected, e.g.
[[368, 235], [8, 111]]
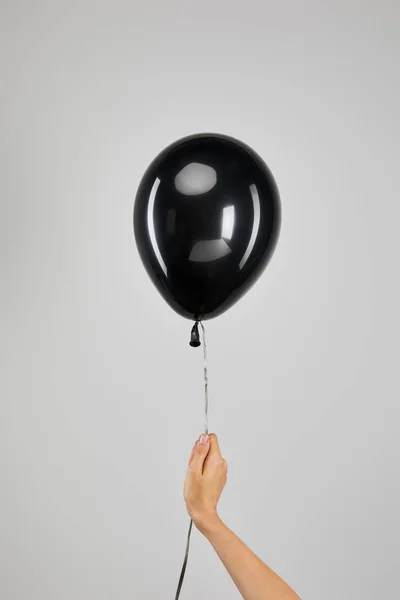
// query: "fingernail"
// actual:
[[203, 439]]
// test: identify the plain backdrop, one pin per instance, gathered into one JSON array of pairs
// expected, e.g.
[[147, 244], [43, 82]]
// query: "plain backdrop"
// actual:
[[102, 396]]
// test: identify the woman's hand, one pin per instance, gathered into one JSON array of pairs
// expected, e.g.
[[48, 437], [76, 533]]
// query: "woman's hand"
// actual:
[[206, 478]]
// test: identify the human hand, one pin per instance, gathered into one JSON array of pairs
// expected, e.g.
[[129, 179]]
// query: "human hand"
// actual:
[[206, 478]]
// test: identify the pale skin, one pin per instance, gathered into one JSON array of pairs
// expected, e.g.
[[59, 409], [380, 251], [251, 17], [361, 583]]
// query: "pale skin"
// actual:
[[206, 478]]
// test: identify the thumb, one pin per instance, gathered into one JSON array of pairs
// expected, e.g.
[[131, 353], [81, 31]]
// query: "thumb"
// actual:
[[200, 453]]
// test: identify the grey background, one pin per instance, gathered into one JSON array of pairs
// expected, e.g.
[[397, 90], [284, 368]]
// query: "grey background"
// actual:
[[102, 396]]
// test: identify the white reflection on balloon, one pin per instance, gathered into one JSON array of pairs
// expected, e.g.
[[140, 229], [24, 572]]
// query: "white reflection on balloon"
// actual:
[[150, 224], [208, 250], [256, 225], [228, 222], [195, 179]]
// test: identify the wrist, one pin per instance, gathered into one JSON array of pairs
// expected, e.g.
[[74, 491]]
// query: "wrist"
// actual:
[[207, 523]]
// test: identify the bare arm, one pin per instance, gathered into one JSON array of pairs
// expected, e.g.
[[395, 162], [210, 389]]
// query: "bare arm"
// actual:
[[205, 480]]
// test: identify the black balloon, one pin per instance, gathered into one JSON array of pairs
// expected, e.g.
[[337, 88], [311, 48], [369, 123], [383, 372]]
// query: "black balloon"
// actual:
[[206, 218]]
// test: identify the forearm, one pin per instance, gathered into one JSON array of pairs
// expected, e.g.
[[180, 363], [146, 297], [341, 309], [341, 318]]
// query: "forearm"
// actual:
[[253, 578]]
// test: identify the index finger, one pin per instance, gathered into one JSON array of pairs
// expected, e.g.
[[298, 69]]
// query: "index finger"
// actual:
[[214, 445]]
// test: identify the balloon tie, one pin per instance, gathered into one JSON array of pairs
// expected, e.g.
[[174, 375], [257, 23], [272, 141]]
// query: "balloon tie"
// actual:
[[195, 342]]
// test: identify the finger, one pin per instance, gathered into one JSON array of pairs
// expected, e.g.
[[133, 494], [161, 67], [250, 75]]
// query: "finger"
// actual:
[[214, 455], [192, 453], [200, 453], [214, 446]]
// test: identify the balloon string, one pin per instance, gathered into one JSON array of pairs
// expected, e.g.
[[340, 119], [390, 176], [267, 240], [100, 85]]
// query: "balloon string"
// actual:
[[182, 575], [205, 379], [206, 404]]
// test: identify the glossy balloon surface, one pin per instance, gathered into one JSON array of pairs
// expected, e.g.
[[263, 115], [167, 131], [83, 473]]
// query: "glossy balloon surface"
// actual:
[[206, 221]]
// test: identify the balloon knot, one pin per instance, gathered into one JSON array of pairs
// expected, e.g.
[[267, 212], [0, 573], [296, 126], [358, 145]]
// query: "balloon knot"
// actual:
[[194, 336]]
